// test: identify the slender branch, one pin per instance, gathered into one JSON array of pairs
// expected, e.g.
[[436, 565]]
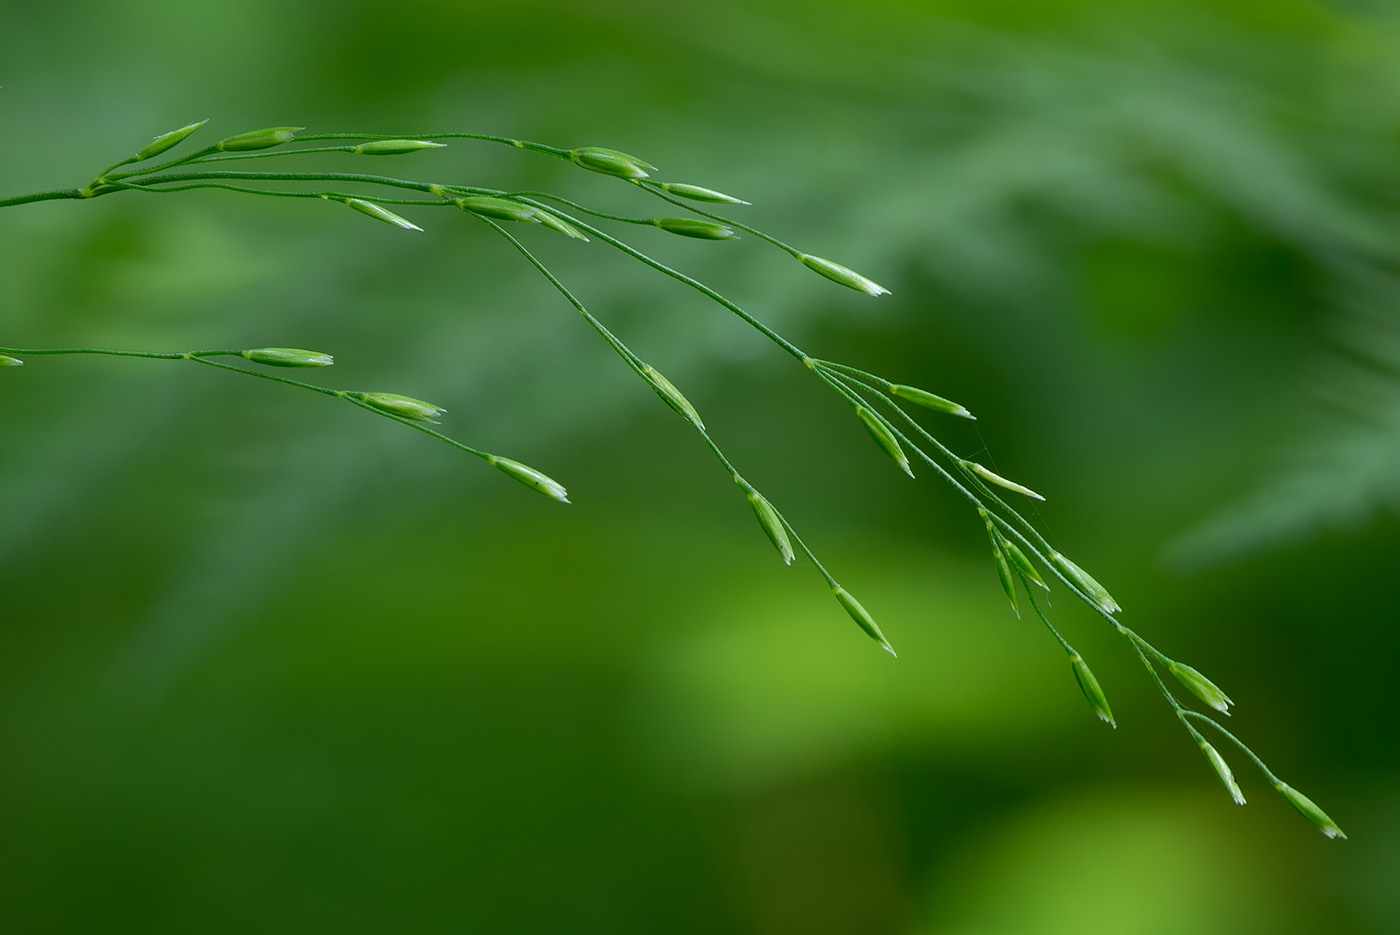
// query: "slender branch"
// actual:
[[58, 194]]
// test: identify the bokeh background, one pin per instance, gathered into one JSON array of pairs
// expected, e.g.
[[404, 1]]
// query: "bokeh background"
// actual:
[[268, 664]]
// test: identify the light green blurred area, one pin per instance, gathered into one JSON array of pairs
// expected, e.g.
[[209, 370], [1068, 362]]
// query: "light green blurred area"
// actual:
[[268, 665]]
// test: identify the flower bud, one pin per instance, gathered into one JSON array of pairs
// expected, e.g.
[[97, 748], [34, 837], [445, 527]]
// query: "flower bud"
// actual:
[[405, 407], [532, 478], [10, 361], [696, 193], [380, 213], [1097, 593], [1309, 810], [287, 357], [610, 162], [846, 277], [1222, 769], [929, 401], [994, 478], [695, 227], [673, 397], [772, 525], [1200, 686], [257, 139], [1090, 687], [394, 147], [884, 438], [168, 141], [862, 618]]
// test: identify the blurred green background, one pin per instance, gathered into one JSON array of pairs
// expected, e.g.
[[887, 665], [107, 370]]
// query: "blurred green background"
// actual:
[[267, 664]]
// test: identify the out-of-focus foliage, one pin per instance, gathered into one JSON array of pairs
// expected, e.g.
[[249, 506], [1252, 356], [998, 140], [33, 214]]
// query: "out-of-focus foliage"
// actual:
[[267, 665]]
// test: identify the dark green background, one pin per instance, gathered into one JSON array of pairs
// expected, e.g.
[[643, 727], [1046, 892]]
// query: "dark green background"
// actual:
[[268, 664]]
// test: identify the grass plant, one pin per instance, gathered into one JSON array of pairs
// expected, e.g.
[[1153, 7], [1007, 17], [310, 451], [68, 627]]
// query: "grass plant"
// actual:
[[1023, 558]]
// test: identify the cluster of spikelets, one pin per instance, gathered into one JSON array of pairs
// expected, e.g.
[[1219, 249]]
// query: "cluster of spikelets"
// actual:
[[1021, 555]]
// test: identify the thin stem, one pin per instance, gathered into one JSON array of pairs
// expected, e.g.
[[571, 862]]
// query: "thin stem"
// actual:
[[695, 284], [1268, 773], [854, 399], [262, 154], [876, 385], [111, 352], [1035, 605], [292, 177], [636, 364], [333, 196], [656, 190], [847, 386], [57, 194], [614, 342], [508, 141], [286, 381], [874, 380], [420, 427], [573, 205], [202, 357], [350, 398]]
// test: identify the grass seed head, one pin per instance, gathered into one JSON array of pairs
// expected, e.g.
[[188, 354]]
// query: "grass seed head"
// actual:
[[1308, 808], [287, 357], [695, 227], [999, 558], [395, 147], [772, 525], [168, 141], [1222, 769], [556, 223], [257, 139], [992, 477], [499, 209], [673, 397], [1021, 563], [610, 162], [1091, 689], [532, 478], [1008, 582], [1200, 686], [846, 277], [1097, 592], [381, 213], [405, 407], [884, 438], [696, 193], [862, 617], [928, 400]]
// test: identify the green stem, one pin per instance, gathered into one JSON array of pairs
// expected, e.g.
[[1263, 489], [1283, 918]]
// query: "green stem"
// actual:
[[1268, 773], [1035, 605], [575, 206], [695, 284], [57, 194], [508, 141], [290, 177], [636, 365], [202, 357], [111, 352], [335, 196], [160, 167]]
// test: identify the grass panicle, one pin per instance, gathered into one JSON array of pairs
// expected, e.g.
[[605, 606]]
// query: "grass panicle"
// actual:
[[1023, 557]]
